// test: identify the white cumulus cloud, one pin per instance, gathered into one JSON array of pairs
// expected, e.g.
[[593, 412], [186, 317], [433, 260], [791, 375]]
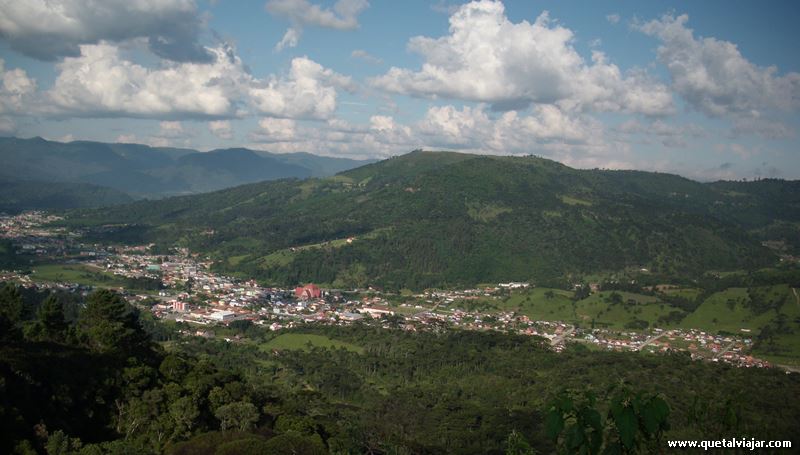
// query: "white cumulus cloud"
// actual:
[[472, 128], [308, 91], [343, 15], [290, 39], [275, 130], [171, 129], [16, 88], [102, 83], [221, 128], [670, 135], [714, 77], [49, 29], [366, 56], [572, 138], [487, 58]]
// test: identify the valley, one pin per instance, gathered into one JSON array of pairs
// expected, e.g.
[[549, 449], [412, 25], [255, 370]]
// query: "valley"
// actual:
[[387, 298], [309, 227], [744, 326]]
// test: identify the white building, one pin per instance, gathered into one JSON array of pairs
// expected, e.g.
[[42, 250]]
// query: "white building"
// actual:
[[223, 316]]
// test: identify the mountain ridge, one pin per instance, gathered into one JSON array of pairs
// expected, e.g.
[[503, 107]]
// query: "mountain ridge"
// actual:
[[449, 219], [153, 172]]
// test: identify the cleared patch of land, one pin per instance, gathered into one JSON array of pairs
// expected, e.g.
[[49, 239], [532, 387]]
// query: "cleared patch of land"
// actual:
[[727, 311], [75, 273], [305, 341], [569, 200], [611, 309], [286, 256]]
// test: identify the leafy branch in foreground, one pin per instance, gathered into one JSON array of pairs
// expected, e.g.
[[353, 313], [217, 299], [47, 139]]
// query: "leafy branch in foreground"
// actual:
[[634, 422]]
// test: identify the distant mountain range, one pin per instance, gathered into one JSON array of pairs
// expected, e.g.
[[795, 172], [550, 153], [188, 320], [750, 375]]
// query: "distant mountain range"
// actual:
[[142, 171], [449, 219]]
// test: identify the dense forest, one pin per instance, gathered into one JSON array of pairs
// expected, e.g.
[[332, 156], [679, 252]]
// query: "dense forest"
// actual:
[[18, 196], [92, 375], [448, 220]]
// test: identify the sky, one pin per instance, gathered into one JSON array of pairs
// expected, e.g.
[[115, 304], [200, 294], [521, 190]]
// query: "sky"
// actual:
[[709, 90]]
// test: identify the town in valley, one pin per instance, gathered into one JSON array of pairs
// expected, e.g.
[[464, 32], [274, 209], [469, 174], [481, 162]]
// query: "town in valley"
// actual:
[[181, 286]]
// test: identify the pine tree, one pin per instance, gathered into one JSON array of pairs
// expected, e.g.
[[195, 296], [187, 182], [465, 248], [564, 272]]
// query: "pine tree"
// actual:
[[51, 319], [10, 311], [110, 325]]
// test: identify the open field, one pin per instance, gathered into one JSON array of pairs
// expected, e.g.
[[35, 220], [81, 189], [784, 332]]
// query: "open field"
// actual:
[[76, 273], [687, 293], [727, 311], [730, 311], [539, 304], [286, 256], [546, 304], [785, 351], [632, 307], [304, 341], [535, 303], [86, 275]]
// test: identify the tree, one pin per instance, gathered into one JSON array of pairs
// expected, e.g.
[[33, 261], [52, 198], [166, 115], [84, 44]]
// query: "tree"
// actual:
[[292, 442], [581, 292], [240, 415], [51, 320], [241, 325], [173, 368], [11, 302], [110, 325], [59, 443], [633, 422], [10, 311], [516, 444], [184, 413]]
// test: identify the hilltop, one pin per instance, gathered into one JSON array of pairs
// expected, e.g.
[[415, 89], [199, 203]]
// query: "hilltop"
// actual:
[[449, 219]]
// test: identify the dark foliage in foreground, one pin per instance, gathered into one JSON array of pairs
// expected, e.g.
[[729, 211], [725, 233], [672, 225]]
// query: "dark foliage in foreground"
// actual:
[[99, 385]]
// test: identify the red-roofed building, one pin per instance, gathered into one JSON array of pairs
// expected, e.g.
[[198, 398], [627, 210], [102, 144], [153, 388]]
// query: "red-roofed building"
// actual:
[[308, 291]]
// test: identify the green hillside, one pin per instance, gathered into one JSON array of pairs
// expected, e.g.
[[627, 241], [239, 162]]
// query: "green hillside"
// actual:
[[27, 195], [447, 219]]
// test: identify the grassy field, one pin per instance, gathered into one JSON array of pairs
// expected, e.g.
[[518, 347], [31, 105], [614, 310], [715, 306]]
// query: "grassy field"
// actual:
[[786, 351], [569, 200], [305, 341], [725, 311], [600, 308], [533, 303], [728, 311], [716, 313], [687, 293], [539, 304], [536, 304], [75, 273], [285, 256]]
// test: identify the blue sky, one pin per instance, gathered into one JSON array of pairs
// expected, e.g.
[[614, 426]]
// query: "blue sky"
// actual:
[[709, 90]]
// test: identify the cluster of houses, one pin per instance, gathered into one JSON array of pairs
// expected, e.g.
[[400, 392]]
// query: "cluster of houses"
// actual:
[[30, 237], [193, 293]]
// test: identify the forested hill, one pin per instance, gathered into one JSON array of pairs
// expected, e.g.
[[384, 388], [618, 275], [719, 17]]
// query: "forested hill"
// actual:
[[448, 219], [144, 171], [25, 195]]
